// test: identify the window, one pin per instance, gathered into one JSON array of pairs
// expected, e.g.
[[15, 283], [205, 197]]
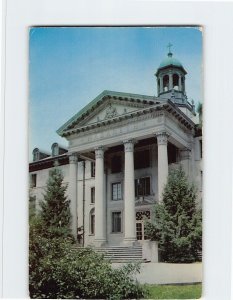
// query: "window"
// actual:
[[142, 159], [116, 191], [116, 164], [200, 141], [92, 195], [33, 180], [116, 221], [92, 169], [165, 83], [142, 186], [175, 78], [92, 222]]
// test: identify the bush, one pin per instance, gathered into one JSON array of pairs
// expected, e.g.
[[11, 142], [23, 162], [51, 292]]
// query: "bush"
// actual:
[[58, 269]]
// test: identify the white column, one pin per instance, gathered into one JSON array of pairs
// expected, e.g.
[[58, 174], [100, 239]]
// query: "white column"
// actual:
[[185, 155], [180, 86], [170, 86], [161, 84], [162, 162], [73, 159], [129, 191], [100, 201]]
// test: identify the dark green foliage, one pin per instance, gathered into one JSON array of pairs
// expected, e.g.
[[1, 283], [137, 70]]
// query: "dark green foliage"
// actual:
[[32, 206], [59, 269], [55, 209], [177, 224]]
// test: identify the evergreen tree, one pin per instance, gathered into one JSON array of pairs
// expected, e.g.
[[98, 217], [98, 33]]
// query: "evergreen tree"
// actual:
[[55, 209], [177, 223]]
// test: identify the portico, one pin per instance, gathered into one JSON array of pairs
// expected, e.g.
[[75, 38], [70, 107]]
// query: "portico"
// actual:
[[153, 128]]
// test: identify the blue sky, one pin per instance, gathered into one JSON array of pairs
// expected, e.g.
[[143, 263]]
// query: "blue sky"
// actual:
[[70, 66]]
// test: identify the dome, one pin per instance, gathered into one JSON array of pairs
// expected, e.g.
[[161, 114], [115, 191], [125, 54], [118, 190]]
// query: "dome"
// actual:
[[170, 61]]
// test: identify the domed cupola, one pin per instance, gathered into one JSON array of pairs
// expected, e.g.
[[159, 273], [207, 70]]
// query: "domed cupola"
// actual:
[[171, 78]]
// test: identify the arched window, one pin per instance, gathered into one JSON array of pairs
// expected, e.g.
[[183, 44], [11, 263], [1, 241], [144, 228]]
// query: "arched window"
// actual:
[[175, 79], [165, 83], [92, 221]]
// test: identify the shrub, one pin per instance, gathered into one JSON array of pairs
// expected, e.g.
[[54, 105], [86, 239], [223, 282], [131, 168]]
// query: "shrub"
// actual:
[[58, 269]]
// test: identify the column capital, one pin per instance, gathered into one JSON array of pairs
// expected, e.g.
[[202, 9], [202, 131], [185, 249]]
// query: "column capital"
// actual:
[[73, 158], [162, 137], [185, 153], [99, 152], [129, 145]]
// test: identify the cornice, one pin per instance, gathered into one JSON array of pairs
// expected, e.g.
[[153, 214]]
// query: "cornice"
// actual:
[[151, 111]]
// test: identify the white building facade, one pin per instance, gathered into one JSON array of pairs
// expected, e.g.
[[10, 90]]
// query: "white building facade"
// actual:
[[120, 149]]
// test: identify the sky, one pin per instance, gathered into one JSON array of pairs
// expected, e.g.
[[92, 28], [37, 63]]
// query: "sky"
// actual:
[[70, 66]]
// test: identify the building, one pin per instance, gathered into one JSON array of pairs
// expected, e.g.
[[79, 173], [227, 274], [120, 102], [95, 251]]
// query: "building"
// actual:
[[120, 149]]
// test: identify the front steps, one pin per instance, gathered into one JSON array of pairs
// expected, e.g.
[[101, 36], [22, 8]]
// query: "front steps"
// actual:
[[122, 253]]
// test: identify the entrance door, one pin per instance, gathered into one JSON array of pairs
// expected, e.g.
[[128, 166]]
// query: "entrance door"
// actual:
[[140, 234], [140, 230]]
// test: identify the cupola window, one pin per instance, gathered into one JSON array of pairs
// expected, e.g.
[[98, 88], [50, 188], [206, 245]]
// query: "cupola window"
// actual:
[[175, 79], [165, 83]]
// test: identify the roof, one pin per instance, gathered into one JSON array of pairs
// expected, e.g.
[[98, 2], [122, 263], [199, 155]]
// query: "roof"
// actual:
[[170, 61]]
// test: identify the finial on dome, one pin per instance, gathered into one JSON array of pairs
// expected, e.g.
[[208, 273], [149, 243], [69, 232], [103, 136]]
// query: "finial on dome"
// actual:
[[169, 49]]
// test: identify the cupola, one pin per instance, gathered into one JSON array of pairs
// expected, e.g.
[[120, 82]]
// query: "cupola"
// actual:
[[171, 78]]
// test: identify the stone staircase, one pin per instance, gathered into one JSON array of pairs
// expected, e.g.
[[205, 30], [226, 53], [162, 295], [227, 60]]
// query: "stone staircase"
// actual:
[[122, 253]]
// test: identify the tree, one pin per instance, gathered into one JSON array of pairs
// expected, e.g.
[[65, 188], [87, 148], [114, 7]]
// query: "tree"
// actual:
[[177, 224], [58, 269], [55, 209]]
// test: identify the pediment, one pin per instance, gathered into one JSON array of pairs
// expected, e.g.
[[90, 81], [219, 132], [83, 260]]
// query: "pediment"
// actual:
[[110, 110], [107, 106]]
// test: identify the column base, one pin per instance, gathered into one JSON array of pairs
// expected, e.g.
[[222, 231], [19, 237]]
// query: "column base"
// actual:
[[100, 242]]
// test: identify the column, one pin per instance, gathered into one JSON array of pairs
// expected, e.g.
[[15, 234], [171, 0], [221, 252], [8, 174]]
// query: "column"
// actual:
[[73, 160], [170, 82], [129, 199], [180, 85], [162, 162], [161, 84], [185, 155], [100, 201]]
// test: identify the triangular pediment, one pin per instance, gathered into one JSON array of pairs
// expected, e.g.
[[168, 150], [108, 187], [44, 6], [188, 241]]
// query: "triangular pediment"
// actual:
[[107, 105], [109, 110]]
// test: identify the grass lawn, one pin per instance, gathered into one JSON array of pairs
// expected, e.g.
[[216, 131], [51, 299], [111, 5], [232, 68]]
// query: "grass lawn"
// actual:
[[192, 291]]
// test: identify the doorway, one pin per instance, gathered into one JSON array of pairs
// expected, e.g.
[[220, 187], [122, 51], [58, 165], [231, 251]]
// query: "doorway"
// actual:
[[141, 218]]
